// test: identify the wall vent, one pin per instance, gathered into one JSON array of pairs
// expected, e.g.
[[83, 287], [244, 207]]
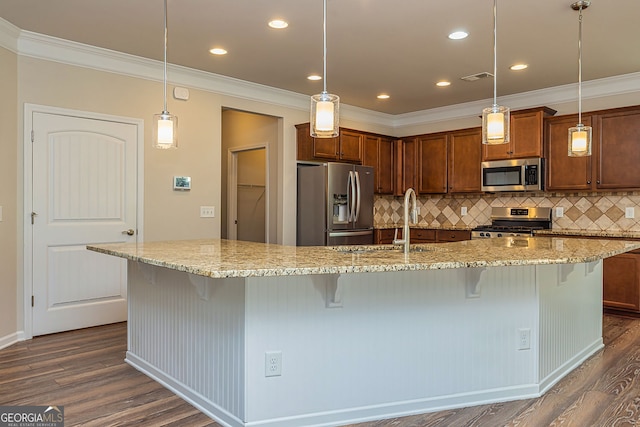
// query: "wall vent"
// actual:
[[474, 77]]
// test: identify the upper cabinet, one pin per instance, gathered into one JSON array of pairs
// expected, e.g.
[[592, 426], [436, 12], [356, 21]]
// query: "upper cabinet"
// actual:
[[378, 152], [345, 148], [526, 136], [613, 164], [447, 162]]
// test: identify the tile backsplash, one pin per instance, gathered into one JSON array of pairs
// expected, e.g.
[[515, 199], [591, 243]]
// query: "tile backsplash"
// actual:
[[582, 211]]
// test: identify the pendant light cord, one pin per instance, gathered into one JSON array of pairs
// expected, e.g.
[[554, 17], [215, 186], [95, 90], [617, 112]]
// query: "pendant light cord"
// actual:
[[165, 58], [580, 66], [324, 38], [495, 60]]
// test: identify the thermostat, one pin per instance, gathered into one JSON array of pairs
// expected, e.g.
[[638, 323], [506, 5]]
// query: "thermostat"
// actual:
[[182, 183]]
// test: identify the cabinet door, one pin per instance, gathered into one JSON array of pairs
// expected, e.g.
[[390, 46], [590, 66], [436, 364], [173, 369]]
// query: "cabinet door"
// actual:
[[432, 163], [621, 287], [325, 148], [526, 136], [407, 162], [452, 235], [564, 172], [304, 142], [618, 150], [464, 161], [350, 146], [385, 169], [422, 235]]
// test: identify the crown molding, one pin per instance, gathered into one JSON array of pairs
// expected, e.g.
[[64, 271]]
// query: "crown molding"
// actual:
[[610, 86], [9, 34], [49, 48]]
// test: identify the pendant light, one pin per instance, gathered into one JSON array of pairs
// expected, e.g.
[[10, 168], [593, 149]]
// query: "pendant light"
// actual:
[[165, 124], [580, 135], [495, 119], [325, 106]]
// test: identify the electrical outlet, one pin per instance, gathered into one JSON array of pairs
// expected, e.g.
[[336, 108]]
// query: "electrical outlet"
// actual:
[[207, 211], [463, 211], [524, 339], [629, 212], [273, 364], [559, 212]]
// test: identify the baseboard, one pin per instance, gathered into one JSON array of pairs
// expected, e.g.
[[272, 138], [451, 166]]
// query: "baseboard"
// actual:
[[570, 365], [338, 417], [11, 339]]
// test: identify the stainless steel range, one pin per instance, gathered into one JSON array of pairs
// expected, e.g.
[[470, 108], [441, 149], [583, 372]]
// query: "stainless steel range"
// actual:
[[514, 222]]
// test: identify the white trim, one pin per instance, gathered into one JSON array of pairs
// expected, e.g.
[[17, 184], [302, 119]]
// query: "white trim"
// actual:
[[11, 339], [9, 34], [29, 110], [72, 53], [232, 189]]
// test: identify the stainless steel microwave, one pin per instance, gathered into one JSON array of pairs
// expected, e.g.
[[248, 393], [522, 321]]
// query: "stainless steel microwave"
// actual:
[[513, 175]]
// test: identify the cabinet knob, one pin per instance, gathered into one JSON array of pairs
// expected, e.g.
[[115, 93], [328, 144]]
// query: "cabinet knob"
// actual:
[[598, 182], [588, 182]]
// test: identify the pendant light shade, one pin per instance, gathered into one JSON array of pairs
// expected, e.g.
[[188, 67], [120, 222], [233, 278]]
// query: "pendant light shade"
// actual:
[[165, 124], [325, 107], [580, 135], [495, 119]]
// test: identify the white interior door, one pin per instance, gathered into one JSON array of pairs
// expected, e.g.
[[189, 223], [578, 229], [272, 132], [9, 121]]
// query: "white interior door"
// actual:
[[84, 191]]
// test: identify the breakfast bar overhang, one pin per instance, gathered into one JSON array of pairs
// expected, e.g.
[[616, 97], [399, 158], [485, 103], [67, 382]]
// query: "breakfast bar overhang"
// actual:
[[267, 335]]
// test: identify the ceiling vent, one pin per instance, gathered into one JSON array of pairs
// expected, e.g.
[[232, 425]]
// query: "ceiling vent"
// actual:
[[474, 77]]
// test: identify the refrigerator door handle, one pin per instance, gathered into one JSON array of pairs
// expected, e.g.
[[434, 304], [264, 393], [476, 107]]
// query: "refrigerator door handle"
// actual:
[[351, 196], [358, 197]]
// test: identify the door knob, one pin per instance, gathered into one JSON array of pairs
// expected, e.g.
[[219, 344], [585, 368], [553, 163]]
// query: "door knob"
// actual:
[[129, 232]]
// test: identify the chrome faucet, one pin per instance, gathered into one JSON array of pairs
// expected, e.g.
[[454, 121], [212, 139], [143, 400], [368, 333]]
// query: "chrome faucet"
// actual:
[[409, 194]]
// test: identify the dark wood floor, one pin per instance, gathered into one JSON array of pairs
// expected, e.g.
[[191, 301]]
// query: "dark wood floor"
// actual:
[[84, 371]]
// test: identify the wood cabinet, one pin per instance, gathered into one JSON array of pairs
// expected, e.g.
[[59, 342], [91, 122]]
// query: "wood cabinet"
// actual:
[[432, 169], [613, 164], [378, 152], [621, 282], [449, 162], [406, 161], [564, 172], [348, 147], [464, 173], [384, 236], [526, 136], [452, 235], [422, 235]]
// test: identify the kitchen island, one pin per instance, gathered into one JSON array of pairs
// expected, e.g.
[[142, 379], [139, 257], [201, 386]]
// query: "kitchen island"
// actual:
[[267, 335]]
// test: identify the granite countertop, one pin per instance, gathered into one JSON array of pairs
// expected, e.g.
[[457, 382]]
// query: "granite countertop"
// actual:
[[423, 226], [618, 234], [229, 258]]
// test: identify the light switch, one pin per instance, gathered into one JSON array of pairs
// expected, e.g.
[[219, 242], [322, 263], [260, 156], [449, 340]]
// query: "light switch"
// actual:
[[463, 211], [207, 211], [559, 212]]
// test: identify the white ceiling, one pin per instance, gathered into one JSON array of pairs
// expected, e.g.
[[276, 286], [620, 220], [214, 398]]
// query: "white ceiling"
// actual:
[[399, 47]]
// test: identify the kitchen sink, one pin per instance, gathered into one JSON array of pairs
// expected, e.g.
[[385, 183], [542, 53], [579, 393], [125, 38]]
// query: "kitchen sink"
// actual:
[[385, 248]]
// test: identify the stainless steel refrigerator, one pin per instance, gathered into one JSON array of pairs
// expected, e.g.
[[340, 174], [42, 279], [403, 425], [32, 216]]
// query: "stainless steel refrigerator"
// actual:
[[335, 204]]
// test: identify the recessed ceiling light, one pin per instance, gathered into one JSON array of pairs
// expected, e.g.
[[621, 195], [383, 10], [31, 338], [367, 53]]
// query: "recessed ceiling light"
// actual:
[[278, 24], [383, 96], [443, 83], [314, 77], [458, 35], [218, 51], [518, 67]]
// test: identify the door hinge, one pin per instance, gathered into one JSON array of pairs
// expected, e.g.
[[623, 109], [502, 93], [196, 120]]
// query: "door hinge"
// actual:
[[32, 135], [33, 301]]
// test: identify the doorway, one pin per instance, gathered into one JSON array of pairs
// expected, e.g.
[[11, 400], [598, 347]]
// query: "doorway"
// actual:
[[248, 199], [249, 176]]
